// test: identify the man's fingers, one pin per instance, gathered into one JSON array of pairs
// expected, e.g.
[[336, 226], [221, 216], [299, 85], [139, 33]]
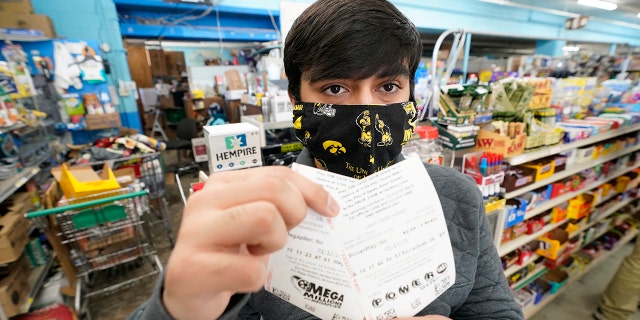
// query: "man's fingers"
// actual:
[[256, 224], [272, 179], [282, 193]]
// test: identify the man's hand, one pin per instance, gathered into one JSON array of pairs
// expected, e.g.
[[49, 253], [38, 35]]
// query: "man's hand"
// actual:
[[430, 317], [228, 229]]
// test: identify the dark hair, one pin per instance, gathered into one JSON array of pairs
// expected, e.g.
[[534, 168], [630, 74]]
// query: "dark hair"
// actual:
[[350, 39]]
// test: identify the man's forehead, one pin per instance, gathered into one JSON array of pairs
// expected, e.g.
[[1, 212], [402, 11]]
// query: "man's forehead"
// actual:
[[390, 71]]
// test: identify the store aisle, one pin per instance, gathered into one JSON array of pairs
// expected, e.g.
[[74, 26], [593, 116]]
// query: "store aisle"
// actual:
[[581, 297]]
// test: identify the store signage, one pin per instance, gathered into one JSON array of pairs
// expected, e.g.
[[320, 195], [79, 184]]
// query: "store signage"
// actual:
[[576, 23]]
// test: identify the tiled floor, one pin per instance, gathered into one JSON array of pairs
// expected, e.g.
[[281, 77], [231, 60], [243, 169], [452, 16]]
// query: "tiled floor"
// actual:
[[575, 303]]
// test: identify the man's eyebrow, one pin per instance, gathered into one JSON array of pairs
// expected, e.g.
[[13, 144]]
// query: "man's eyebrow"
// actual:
[[394, 71]]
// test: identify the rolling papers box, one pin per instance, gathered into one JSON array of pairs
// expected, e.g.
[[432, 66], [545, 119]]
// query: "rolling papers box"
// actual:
[[233, 146]]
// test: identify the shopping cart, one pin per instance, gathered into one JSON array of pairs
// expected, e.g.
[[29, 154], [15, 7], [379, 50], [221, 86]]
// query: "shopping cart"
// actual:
[[148, 168], [106, 238]]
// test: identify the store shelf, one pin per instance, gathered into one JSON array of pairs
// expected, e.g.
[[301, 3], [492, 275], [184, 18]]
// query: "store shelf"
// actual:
[[13, 34], [535, 274], [565, 197], [570, 170], [256, 120], [522, 240], [36, 281], [514, 268], [11, 128], [9, 186], [535, 155], [610, 211], [531, 311], [269, 125]]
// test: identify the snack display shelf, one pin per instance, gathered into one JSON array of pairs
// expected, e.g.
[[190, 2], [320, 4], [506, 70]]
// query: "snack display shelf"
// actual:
[[520, 241], [541, 269], [537, 272], [515, 268], [535, 155], [570, 170], [532, 310], [567, 196]]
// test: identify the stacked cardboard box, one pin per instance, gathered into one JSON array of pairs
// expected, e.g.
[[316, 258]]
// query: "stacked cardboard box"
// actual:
[[14, 287], [18, 14]]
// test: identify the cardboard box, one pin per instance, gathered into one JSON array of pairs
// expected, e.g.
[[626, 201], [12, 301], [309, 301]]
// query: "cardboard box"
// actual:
[[552, 244], [503, 145], [38, 22], [452, 142], [544, 168], [125, 176], [102, 121], [98, 238], [233, 146], [13, 237], [21, 6], [166, 101], [14, 288], [234, 81], [80, 181]]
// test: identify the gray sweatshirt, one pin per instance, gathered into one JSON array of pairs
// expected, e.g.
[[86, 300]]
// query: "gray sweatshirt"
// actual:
[[479, 292]]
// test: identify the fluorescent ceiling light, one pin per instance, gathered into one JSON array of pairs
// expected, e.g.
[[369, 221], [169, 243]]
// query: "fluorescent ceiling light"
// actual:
[[598, 4], [571, 48]]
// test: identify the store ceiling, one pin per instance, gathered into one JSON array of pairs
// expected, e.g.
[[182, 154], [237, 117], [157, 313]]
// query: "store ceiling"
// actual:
[[627, 10], [499, 46]]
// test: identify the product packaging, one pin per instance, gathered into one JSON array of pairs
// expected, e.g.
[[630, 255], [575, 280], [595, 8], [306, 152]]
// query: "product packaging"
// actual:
[[233, 146]]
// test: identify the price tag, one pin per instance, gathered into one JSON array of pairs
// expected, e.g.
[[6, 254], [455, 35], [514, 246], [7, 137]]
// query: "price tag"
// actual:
[[517, 159], [554, 150], [20, 182]]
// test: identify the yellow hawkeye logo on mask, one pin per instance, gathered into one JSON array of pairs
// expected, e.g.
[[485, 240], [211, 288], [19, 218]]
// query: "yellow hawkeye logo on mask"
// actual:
[[334, 147]]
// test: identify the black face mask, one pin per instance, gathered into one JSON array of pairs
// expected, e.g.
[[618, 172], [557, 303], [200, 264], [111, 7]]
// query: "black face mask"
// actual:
[[354, 140]]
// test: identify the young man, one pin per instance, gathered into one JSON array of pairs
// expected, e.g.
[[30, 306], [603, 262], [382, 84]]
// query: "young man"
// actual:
[[359, 56]]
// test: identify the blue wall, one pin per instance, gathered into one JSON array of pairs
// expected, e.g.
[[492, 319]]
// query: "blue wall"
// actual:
[[95, 20]]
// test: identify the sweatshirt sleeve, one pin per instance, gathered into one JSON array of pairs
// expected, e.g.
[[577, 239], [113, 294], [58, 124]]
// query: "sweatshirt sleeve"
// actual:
[[153, 308], [490, 296]]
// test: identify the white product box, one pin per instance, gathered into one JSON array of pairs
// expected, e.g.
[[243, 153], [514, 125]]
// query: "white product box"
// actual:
[[233, 146]]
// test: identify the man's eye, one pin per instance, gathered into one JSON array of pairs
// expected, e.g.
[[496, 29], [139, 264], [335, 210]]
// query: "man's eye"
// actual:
[[335, 89], [389, 87]]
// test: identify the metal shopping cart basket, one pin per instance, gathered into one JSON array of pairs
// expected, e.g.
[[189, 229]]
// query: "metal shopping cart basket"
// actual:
[[149, 169], [108, 243]]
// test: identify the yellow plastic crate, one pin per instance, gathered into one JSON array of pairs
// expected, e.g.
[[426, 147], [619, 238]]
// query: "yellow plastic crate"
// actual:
[[81, 181]]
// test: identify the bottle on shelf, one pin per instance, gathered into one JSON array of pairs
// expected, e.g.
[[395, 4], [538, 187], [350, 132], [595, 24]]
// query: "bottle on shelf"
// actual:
[[427, 148]]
